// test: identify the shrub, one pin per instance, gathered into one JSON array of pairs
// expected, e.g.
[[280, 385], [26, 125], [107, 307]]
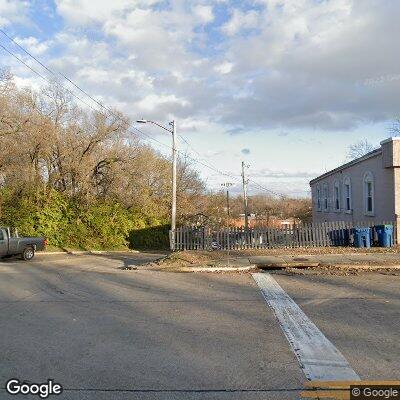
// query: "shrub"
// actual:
[[152, 237], [77, 224]]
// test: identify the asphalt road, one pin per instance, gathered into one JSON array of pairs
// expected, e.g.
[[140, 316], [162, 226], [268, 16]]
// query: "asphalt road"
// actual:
[[144, 335], [107, 333], [359, 314]]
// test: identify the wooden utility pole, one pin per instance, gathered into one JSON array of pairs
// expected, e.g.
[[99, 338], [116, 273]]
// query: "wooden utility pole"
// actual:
[[246, 211], [227, 185]]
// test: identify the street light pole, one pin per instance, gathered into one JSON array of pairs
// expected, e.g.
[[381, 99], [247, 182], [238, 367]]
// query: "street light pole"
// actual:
[[172, 124], [173, 208], [246, 211], [226, 185]]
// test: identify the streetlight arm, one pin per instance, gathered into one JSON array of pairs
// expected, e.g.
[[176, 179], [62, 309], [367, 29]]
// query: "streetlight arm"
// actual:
[[159, 125], [174, 173]]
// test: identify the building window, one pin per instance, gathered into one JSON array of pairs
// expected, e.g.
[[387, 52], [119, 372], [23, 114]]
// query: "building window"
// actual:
[[347, 194], [325, 198], [318, 198], [368, 193], [336, 195]]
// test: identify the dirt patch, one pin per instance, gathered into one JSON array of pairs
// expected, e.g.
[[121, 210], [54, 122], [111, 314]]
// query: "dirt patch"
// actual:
[[309, 251], [187, 259], [342, 270], [195, 256]]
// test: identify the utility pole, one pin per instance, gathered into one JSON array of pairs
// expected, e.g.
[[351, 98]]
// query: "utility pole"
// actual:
[[173, 208], [172, 124], [246, 211], [228, 213]]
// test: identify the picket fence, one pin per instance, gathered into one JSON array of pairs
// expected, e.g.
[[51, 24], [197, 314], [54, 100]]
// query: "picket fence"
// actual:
[[323, 234]]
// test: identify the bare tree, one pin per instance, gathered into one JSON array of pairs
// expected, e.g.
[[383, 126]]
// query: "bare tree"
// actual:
[[359, 149]]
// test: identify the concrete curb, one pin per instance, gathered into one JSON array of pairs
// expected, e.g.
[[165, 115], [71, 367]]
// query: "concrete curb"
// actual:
[[221, 269], [288, 265], [246, 268]]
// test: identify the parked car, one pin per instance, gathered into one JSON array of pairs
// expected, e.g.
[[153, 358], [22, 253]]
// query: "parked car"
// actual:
[[215, 245], [11, 244]]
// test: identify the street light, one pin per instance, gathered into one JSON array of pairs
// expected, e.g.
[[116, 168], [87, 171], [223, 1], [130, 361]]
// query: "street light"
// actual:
[[172, 124], [227, 185], [246, 209]]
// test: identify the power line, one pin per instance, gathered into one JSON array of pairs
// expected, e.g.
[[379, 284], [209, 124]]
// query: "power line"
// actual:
[[232, 176], [67, 89], [42, 76], [136, 129], [107, 109], [21, 61], [69, 80], [110, 111], [52, 72]]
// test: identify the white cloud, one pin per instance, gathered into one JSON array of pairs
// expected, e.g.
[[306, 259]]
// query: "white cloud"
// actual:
[[86, 11], [224, 68], [204, 13], [241, 20], [293, 63], [13, 11], [33, 45], [152, 101], [283, 66]]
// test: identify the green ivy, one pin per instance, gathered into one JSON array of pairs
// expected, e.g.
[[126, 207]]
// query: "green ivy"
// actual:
[[77, 224]]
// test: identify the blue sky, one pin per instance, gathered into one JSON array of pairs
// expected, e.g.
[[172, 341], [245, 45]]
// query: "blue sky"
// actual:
[[285, 85]]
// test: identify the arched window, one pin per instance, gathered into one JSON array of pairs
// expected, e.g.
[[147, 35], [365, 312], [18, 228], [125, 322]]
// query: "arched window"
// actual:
[[336, 196], [369, 193], [347, 194], [318, 198], [325, 196]]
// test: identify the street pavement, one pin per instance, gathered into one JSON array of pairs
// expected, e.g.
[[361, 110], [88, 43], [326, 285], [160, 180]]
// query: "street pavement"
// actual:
[[93, 327], [359, 314], [104, 332]]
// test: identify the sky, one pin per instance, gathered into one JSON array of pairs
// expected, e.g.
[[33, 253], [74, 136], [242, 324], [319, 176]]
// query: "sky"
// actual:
[[283, 85]]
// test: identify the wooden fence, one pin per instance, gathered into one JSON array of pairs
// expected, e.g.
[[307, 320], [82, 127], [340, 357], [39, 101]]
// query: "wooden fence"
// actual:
[[304, 235]]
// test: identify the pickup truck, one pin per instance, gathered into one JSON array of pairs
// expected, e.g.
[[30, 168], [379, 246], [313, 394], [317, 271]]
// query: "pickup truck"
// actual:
[[11, 244]]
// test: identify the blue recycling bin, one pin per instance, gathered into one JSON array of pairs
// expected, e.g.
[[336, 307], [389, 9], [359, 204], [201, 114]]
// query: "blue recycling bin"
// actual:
[[362, 237], [385, 235]]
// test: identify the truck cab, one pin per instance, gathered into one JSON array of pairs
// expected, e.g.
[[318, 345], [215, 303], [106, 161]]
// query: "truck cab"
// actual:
[[12, 244]]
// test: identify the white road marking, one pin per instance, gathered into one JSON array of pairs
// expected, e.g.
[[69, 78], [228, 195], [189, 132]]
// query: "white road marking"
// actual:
[[318, 357]]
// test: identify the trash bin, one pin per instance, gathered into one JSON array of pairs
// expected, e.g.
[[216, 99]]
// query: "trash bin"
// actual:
[[339, 237], [385, 235], [362, 237]]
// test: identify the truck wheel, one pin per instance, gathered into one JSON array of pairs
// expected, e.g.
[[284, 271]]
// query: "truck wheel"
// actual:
[[28, 253]]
